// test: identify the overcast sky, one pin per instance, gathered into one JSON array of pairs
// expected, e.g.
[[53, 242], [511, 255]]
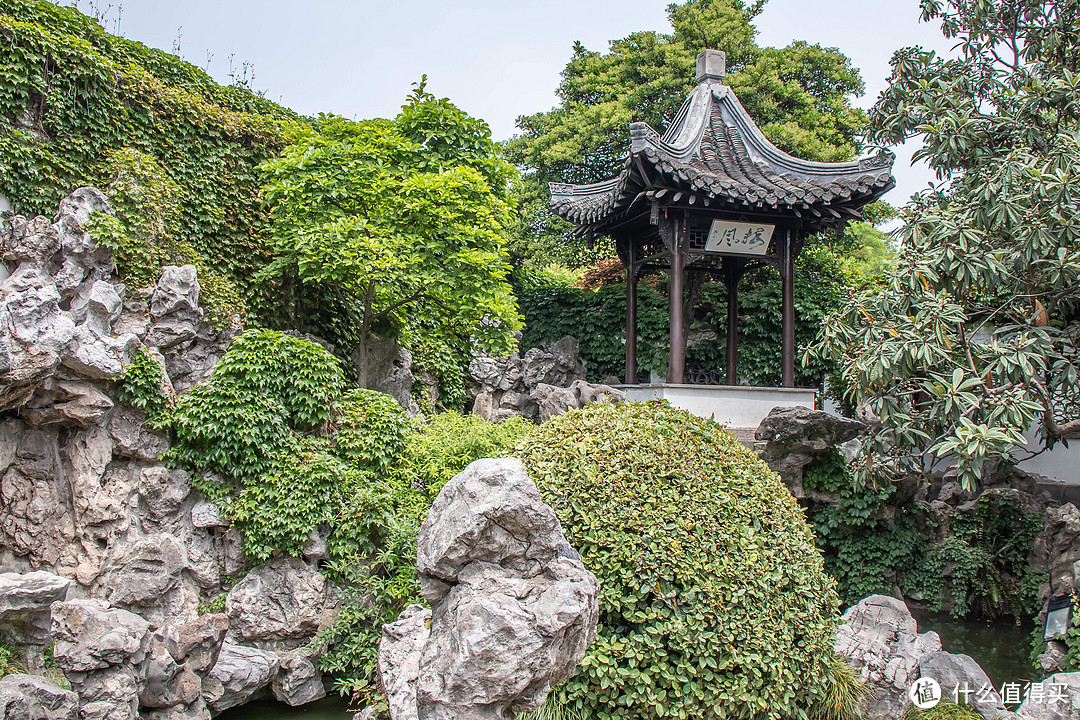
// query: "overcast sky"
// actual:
[[496, 59]]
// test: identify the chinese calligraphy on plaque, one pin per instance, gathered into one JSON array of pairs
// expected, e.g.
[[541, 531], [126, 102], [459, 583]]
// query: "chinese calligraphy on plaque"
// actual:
[[739, 238]]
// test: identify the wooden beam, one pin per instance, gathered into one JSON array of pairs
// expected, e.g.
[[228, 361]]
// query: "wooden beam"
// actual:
[[732, 273], [787, 311], [631, 320], [677, 349]]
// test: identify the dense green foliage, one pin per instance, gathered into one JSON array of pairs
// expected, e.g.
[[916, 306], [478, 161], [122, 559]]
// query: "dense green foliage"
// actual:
[[240, 421], [944, 710], [972, 340], [448, 442], [144, 234], [978, 569], [394, 227], [75, 101], [985, 560], [713, 599], [866, 553], [377, 529], [598, 320], [370, 429], [140, 385]]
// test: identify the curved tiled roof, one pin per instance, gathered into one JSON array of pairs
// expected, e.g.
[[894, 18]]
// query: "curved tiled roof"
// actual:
[[714, 153]]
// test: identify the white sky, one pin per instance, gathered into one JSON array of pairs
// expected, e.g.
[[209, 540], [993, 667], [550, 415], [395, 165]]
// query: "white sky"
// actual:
[[496, 59]]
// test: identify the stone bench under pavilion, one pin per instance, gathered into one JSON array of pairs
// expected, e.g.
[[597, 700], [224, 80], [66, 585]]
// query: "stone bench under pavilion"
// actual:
[[714, 196]]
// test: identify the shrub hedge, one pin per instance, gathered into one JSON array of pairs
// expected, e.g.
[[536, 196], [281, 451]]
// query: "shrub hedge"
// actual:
[[714, 600]]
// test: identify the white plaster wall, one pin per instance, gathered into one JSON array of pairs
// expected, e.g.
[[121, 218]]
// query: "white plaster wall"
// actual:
[[734, 406], [1060, 465], [5, 205]]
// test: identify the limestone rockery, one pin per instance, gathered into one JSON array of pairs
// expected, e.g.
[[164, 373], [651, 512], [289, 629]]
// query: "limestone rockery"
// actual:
[[107, 555]]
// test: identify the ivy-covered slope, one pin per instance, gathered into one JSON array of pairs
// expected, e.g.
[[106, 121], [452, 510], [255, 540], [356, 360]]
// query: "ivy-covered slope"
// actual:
[[72, 97]]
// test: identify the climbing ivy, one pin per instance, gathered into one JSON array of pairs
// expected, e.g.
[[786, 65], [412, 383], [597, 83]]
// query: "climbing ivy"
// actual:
[[865, 554], [979, 569], [241, 421], [140, 385], [75, 101], [985, 560]]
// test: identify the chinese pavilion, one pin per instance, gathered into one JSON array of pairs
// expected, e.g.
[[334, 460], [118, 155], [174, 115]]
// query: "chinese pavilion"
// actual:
[[713, 196]]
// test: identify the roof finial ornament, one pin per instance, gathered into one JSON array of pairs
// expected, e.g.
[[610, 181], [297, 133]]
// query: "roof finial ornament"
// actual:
[[711, 65]]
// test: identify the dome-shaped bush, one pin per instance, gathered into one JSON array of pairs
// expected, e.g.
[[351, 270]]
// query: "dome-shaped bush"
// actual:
[[713, 599]]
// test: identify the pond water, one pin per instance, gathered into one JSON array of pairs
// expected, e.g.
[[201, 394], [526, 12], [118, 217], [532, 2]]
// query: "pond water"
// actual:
[[1001, 649]]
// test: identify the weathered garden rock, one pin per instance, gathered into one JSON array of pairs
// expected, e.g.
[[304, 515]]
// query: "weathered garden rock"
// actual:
[[198, 643], [88, 636], [177, 293], [399, 660], [538, 386], [789, 439], [513, 608], [559, 365], [205, 514], [240, 673], [387, 368], [278, 605], [1059, 703], [146, 571], [31, 697], [880, 639], [958, 673], [101, 651], [132, 438], [299, 681], [25, 602], [552, 401]]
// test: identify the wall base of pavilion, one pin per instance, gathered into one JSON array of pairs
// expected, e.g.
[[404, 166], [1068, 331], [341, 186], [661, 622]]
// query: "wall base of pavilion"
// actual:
[[737, 406]]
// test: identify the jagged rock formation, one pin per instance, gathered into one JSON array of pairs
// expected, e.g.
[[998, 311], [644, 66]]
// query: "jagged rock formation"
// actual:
[[880, 638], [538, 386], [513, 608], [31, 697], [1063, 703], [106, 552], [790, 438]]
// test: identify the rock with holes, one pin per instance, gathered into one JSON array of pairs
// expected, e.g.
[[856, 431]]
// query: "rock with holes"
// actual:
[[25, 606], [31, 697], [790, 438], [513, 608], [278, 605], [239, 673], [880, 638]]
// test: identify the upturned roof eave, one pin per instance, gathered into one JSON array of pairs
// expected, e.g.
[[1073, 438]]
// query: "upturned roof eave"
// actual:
[[671, 155]]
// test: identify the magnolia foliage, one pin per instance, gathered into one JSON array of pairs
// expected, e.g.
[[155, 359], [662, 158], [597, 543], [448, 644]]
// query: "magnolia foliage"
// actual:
[[972, 341]]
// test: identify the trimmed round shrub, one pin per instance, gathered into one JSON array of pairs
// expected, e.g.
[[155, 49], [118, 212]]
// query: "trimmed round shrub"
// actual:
[[714, 602]]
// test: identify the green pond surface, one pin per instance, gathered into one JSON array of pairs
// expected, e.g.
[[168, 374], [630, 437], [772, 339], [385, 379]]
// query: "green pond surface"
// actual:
[[1001, 649]]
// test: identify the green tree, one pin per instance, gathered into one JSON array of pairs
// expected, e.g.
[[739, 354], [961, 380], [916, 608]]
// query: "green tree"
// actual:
[[799, 96], [973, 339], [378, 221]]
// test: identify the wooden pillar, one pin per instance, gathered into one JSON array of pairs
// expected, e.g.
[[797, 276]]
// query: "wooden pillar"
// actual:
[[787, 316], [631, 321], [677, 356], [731, 280]]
